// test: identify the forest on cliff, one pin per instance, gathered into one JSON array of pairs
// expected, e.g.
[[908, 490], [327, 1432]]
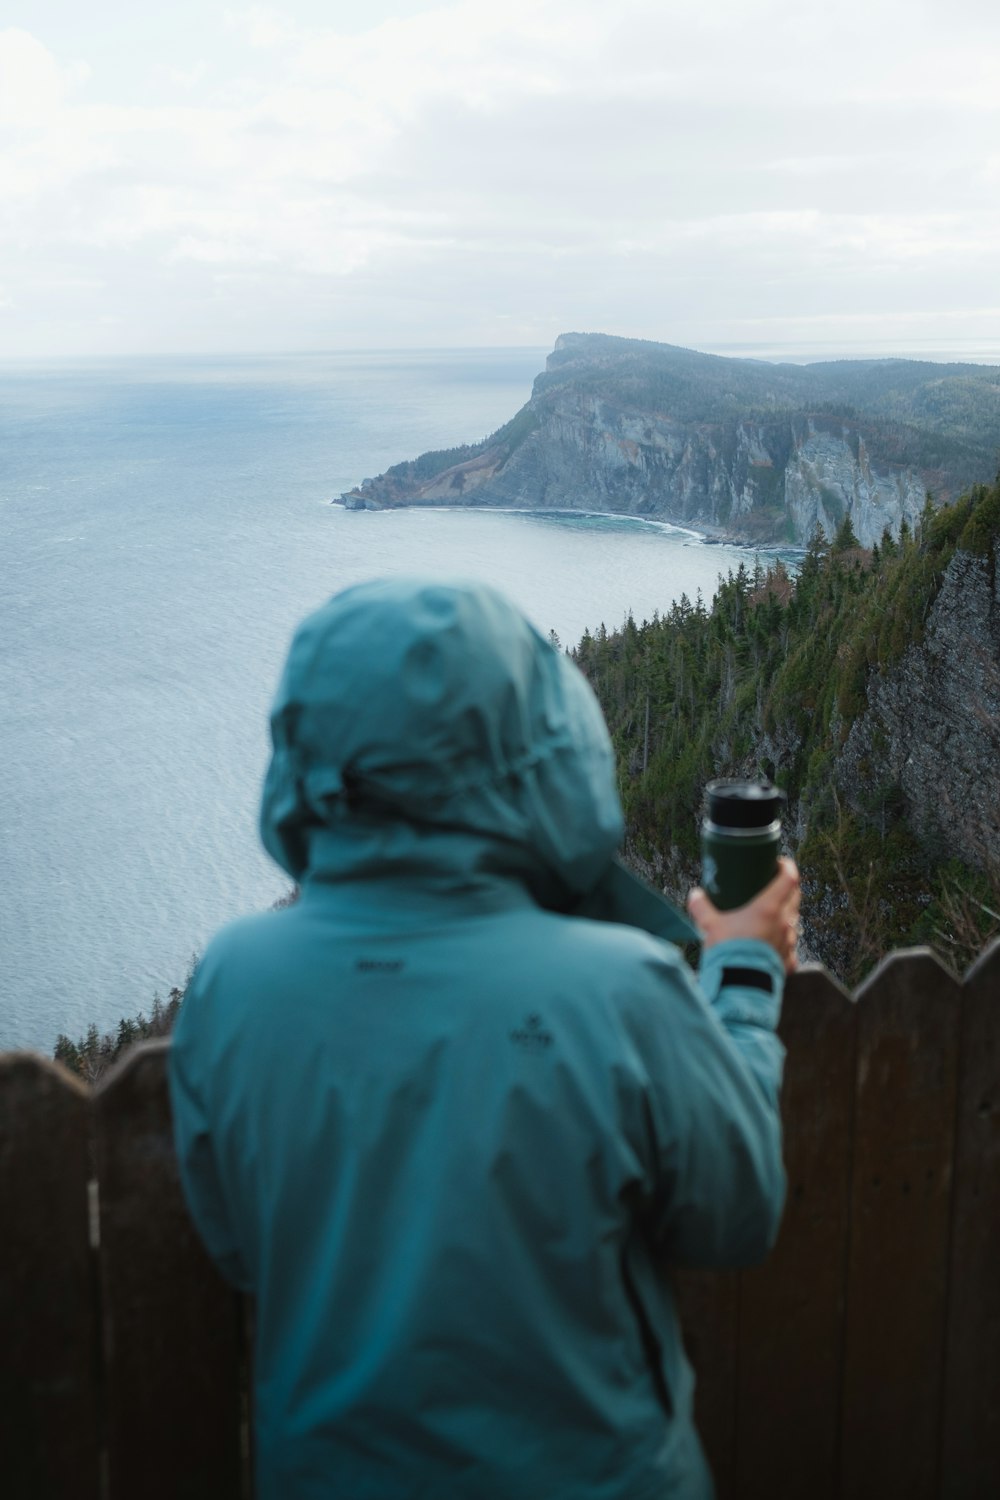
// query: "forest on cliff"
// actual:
[[771, 680]]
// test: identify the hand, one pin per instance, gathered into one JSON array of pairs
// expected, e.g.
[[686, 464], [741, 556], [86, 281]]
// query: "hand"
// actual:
[[772, 916]]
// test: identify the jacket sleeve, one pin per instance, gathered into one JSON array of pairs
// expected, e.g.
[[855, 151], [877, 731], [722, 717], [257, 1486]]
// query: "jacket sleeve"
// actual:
[[200, 1178], [712, 1065]]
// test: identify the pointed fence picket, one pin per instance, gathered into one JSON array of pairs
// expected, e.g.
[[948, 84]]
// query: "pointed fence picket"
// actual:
[[792, 1308], [904, 1124], [970, 1465], [49, 1364], [172, 1330], [862, 1359]]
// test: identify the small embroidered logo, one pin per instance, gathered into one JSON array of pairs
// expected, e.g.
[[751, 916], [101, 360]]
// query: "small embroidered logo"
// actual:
[[379, 965], [532, 1036]]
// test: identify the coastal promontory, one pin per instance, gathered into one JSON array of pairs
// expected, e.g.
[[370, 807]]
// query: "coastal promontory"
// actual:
[[758, 452]]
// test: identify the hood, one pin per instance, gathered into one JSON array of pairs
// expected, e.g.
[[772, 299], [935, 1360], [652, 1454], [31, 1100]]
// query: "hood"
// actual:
[[439, 706]]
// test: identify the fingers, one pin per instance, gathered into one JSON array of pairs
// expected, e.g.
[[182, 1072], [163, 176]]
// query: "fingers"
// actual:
[[700, 909], [789, 894], [772, 916], [785, 885], [790, 953]]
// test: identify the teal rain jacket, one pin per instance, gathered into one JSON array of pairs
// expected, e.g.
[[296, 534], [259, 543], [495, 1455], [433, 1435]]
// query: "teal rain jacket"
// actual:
[[449, 1132]]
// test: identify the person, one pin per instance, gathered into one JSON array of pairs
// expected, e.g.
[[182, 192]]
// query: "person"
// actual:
[[446, 1127]]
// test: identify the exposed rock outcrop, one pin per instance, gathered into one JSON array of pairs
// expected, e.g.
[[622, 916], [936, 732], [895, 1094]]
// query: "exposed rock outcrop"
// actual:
[[931, 732], [757, 452]]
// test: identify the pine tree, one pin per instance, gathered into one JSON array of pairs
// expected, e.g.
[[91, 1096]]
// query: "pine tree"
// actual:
[[845, 539]]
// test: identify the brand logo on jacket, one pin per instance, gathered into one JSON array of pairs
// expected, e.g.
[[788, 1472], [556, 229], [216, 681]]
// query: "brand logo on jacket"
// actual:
[[532, 1036]]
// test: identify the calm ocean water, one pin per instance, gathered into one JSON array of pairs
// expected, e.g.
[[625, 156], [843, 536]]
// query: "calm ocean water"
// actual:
[[166, 523]]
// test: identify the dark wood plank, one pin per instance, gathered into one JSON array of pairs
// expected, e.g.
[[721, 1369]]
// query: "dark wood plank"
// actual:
[[172, 1327], [908, 1019], [791, 1331], [971, 1447], [48, 1312], [708, 1305]]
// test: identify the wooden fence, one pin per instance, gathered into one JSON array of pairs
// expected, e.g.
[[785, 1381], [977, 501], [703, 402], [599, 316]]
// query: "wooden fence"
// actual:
[[863, 1360]]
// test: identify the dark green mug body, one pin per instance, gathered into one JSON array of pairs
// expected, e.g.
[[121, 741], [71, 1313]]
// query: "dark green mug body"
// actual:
[[737, 863], [740, 840]]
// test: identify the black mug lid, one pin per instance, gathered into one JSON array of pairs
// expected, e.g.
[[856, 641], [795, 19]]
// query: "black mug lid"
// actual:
[[743, 804]]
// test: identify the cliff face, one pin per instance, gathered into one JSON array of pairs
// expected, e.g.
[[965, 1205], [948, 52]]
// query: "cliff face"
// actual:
[[759, 453], [868, 686], [930, 735], [757, 481], [831, 474]]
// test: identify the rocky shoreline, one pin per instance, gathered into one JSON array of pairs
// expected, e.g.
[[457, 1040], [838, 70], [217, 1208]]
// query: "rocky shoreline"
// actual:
[[741, 452], [705, 532]]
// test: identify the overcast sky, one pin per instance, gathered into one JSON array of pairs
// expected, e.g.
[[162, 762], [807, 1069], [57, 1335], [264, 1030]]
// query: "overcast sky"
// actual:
[[387, 173]]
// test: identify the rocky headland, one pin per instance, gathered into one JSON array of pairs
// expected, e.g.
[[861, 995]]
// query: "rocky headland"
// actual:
[[755, 452]]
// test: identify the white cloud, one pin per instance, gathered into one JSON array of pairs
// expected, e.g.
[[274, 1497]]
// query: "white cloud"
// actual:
[[261, 27], [33, 85], [475, 167], [187, 78]]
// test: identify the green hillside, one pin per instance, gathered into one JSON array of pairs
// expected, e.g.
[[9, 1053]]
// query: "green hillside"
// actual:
[[769, 682]]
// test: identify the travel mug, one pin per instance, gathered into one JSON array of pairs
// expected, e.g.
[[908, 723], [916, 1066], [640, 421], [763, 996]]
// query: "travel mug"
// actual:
[[740, 840]]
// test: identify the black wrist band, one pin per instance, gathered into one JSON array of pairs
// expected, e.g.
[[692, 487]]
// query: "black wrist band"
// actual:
[[750, 979]]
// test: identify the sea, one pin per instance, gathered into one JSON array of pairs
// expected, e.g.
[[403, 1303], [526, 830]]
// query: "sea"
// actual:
[[165, 523]]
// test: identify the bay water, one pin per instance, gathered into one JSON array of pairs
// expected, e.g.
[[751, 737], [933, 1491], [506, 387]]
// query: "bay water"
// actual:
[[165, 524]]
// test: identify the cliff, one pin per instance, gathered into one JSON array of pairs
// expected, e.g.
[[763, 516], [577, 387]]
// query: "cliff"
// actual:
[[761, 453], [929, 737], [869, 688]]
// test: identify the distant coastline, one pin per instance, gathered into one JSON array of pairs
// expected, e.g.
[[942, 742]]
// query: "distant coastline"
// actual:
[[712, 536], [742, 450]]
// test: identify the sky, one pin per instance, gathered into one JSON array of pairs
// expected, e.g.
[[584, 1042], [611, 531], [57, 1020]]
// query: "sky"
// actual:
[[345, 174]]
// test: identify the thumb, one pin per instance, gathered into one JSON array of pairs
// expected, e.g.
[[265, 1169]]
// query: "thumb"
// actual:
[[698, 905]]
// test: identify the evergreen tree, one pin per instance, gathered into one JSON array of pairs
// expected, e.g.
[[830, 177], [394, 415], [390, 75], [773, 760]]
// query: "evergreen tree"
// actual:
[[845, 539], [785, 664]]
